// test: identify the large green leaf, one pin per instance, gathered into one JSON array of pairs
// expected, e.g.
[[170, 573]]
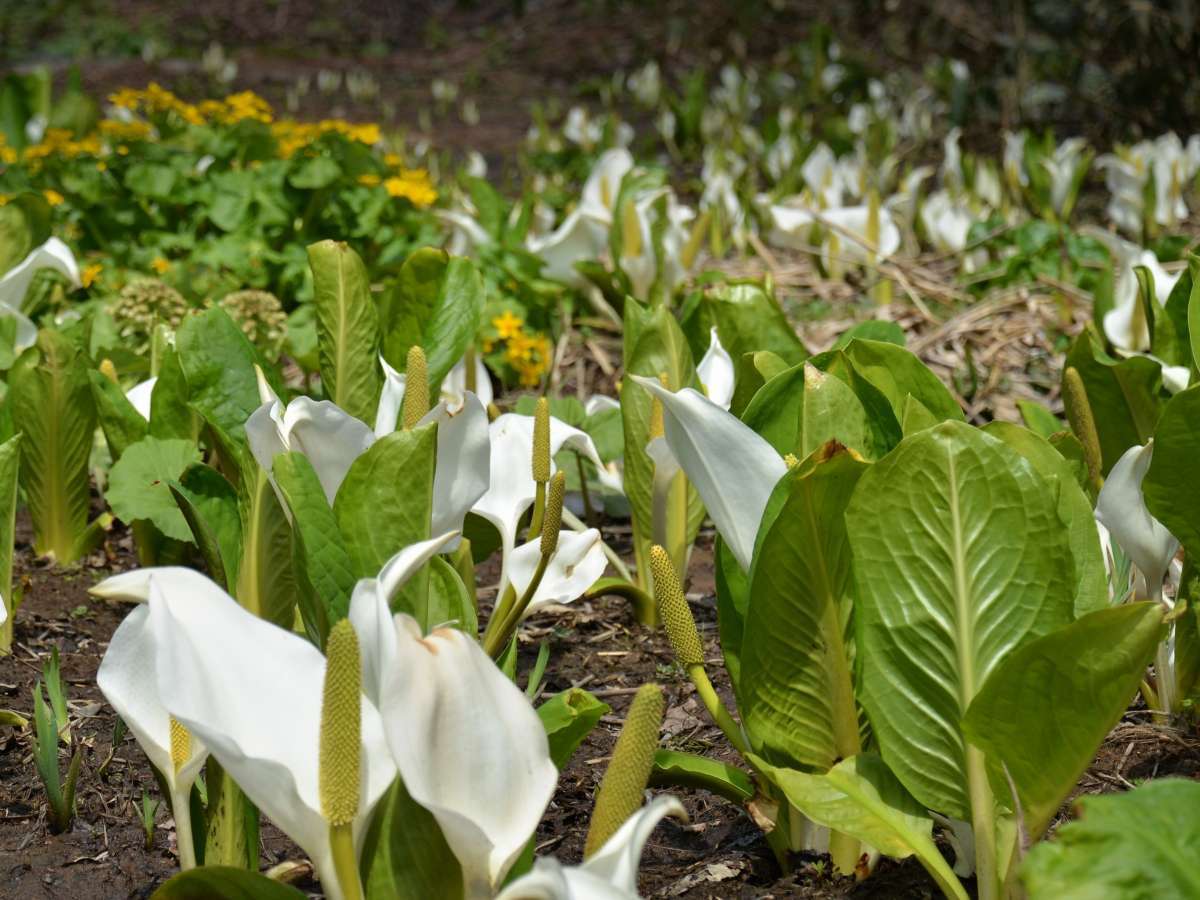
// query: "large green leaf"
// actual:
[[898, 372], [347, 328], [1046, 709], [862, 798], [1193, 311], [446, 602], [797, 693], [407, 858], [437, 303], [51, 401], [209, 504], [139, 484], [324, 569], [217, 362], [674, 768], [959, 558], [1135, 846], [122, 424], [386, 500], [224, 883], [752, 371], [1170, 485], [170, 414], [661, 348], [1123, 394], [569, 717], [10, 467], [1091, 592]]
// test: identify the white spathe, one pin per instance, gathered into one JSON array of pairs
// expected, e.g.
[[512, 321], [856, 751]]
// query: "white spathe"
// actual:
[[716, 371], [454, 392], [14, 284], [575, 566], [327, 435], [140, 395], [946, 222], [485, 778], [1125, 325], [128, 678], [1121, 508], [268, 739], [609, 874], [733, 469], [371, 614], [512, 489]]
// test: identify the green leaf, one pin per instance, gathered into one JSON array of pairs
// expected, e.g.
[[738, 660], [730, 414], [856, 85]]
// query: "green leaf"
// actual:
[[170, 414], [1135, 846], [674, 768], [314, 173], [209, 504], [1123, 394], [217, 362], [862, 798], [445, 602], [797, 693], [1048, 706], [386, 500], [897, 372], [661, 347], [753, 370], [224, 883], [749, 319], [959, 558], [407, 856], [122, 424], [733, 600], [10, 466], [347, 328], [51, 400], [1038, 419], [323, 565], [139, 484], [1167, 487], [1074, 507], [266, 578], [1193, 310], [437, 303], [568, 718], [871, 330]]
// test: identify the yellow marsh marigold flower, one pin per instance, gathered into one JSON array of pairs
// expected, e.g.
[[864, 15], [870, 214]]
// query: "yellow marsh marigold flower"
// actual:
[[392, 159], [413, 185], [369, 180], [53, 197], [160, 265], [507, 325], [90, 273]]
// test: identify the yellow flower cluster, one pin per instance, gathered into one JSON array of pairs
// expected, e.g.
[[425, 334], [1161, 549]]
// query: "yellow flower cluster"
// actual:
[[530, 354], [125, 132], [237, 108], [414, 185], [293, 136], [60, 143], [156, 100]]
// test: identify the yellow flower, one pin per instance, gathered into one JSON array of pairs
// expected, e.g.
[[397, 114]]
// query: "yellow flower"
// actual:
[[507, 325], [53, 197], [392, 159], [8, 155], [414, 186], [101, 165], [4, 198], [90, 273], [160, 265], [369, 180]]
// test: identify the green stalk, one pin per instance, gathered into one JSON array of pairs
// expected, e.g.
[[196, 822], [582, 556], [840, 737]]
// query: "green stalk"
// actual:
[[495, 641], [716, 709], [345, 862], [983, 821], [539, 510], [181, 811]]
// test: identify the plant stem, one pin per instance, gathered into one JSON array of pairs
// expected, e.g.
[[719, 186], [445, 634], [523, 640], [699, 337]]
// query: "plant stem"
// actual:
[[983, 821], [345, 863], [539, 509], [589, 514], [716, 709], [494, 643], [181, 810], [844, 851]]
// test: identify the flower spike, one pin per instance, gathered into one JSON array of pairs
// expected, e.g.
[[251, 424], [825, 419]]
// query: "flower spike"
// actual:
[[620, 794], [416, 387]]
